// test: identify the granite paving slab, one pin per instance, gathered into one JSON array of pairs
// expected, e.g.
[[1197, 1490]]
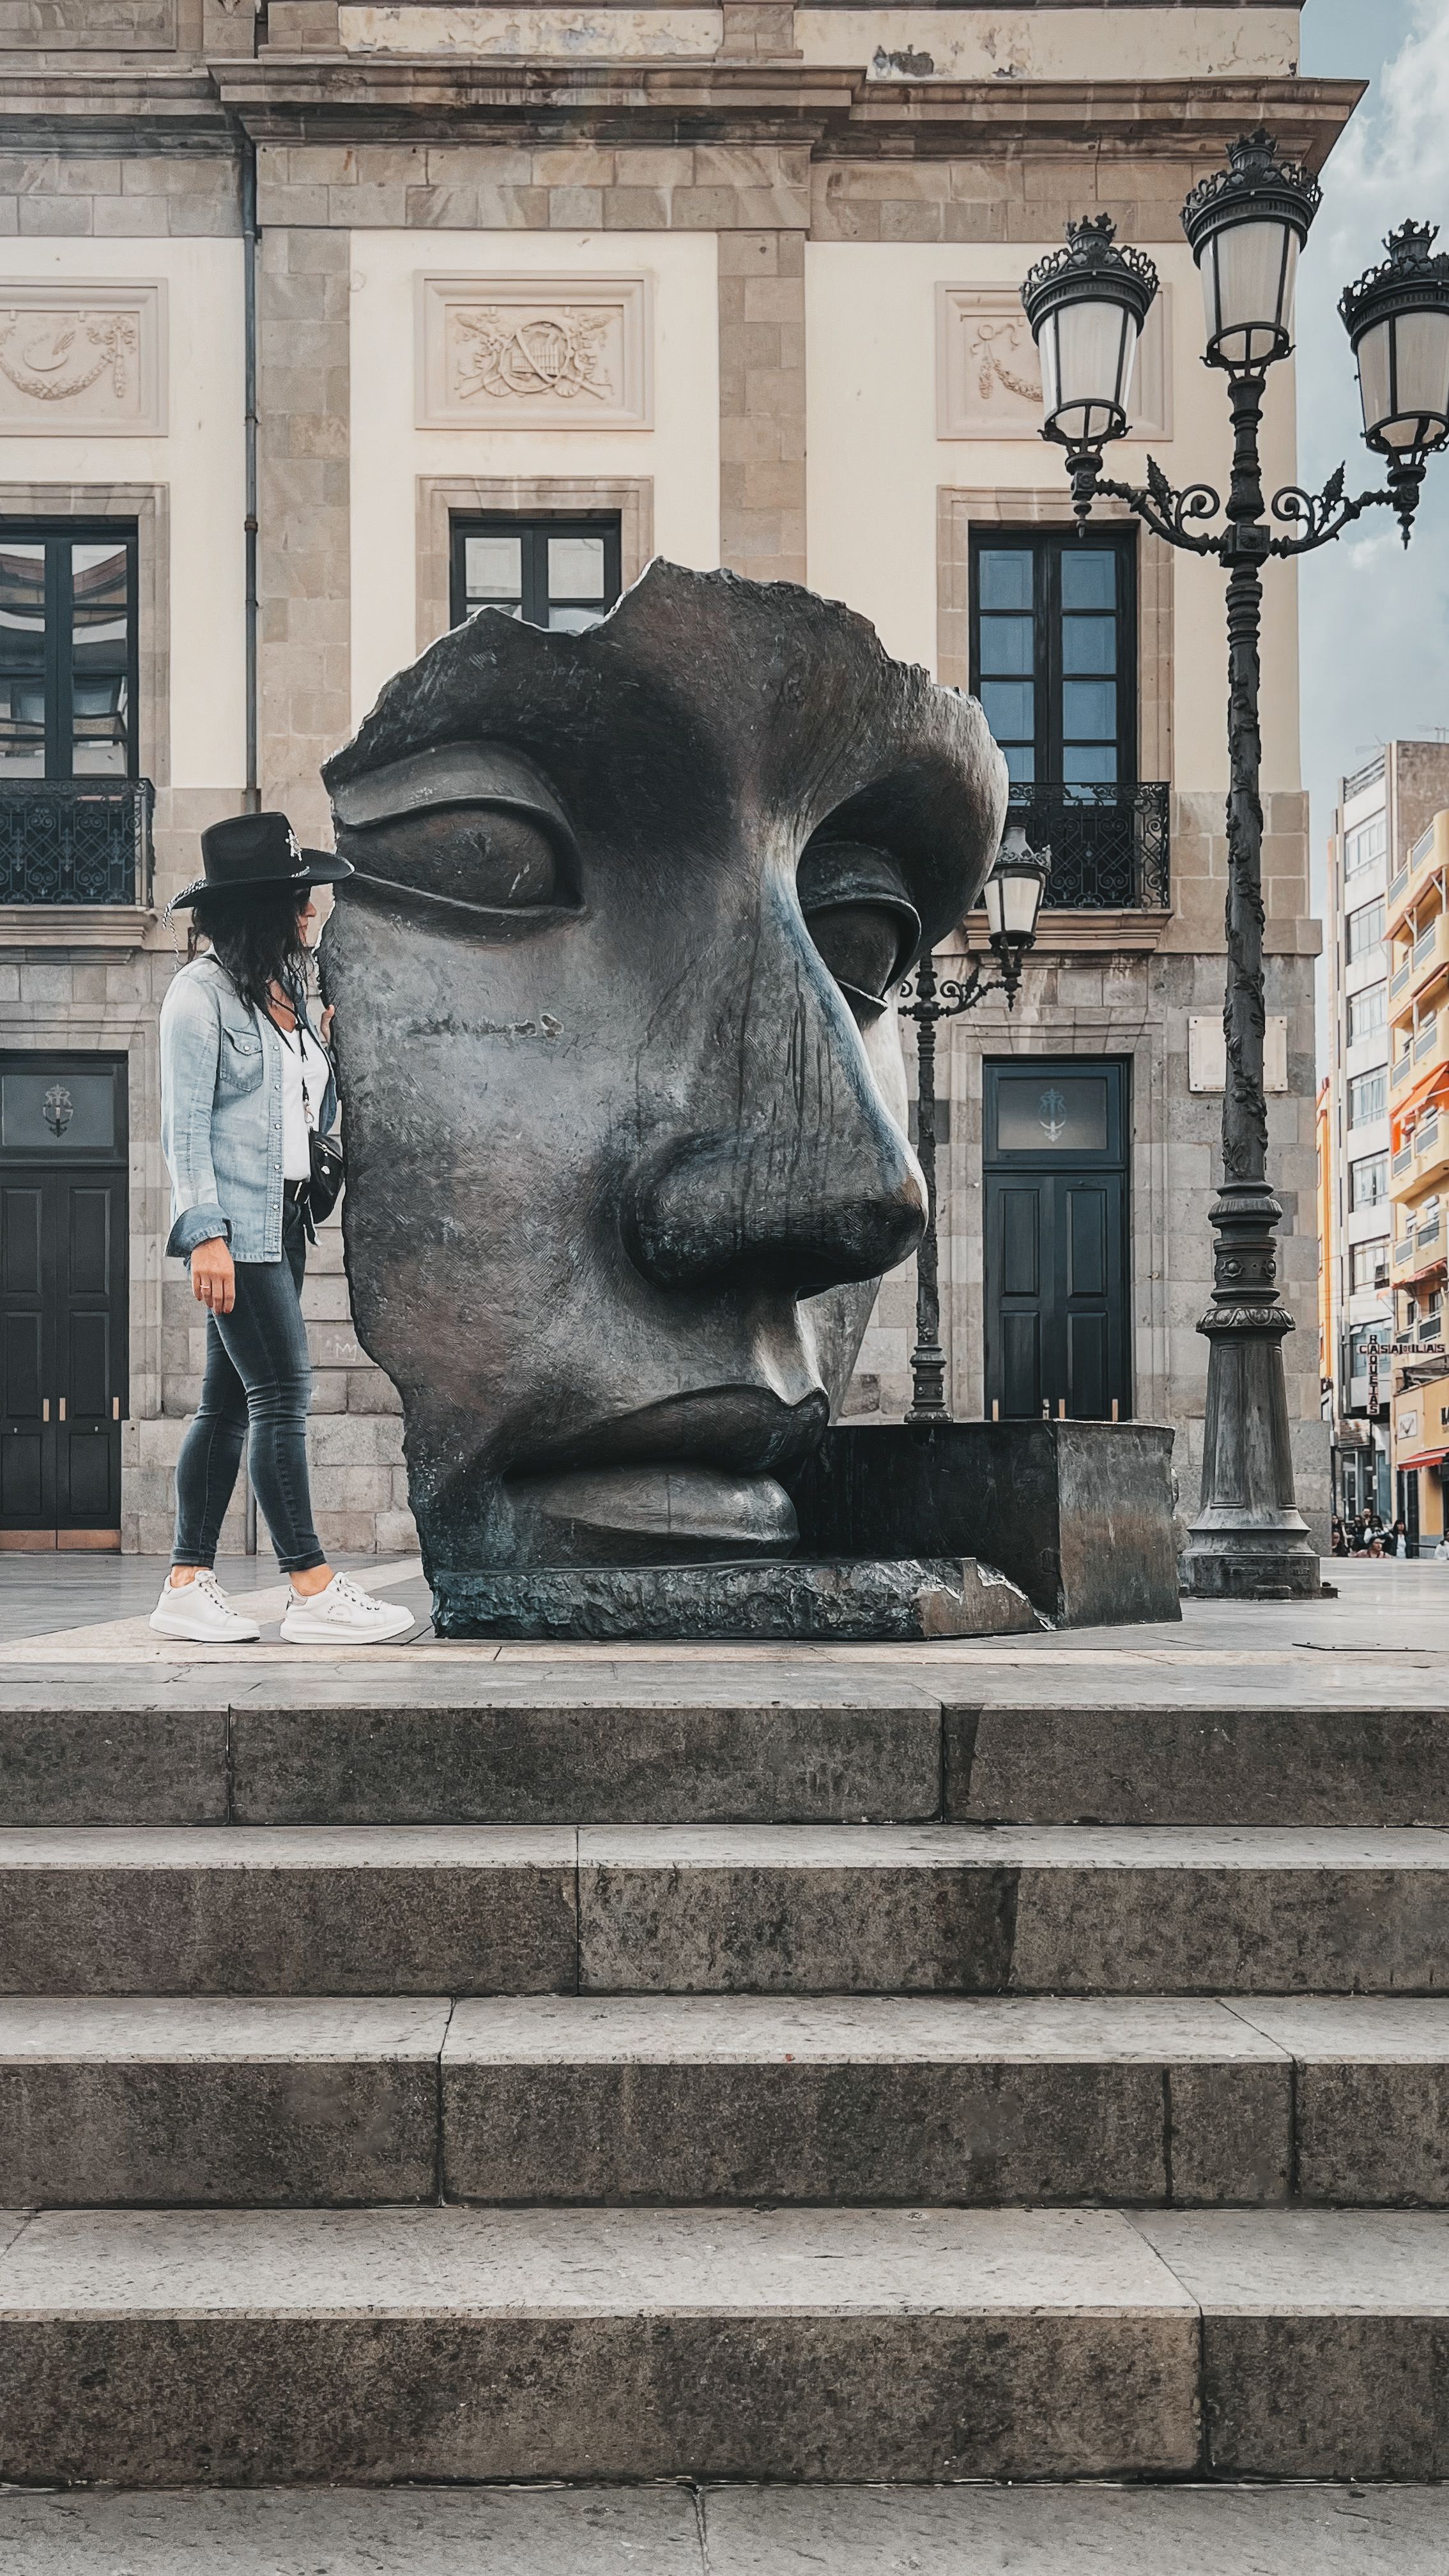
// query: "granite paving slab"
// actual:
[[1325, 2338], [861, 2100], [258, 2101], [347, 1910]]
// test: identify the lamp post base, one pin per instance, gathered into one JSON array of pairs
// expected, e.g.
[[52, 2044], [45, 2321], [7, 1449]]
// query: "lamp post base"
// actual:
[[1242, 1561], [1249, 1542]]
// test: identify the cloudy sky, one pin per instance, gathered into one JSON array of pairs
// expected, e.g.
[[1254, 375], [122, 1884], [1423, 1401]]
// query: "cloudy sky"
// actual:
[[1375, 620]]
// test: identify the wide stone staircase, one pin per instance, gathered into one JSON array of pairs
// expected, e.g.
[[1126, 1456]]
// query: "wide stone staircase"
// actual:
[[719, 2072]]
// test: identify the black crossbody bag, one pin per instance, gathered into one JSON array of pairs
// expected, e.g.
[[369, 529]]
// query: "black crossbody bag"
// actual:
[[324, 1153]]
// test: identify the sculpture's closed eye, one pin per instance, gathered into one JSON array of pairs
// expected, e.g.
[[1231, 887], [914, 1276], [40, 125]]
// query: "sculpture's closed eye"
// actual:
[[860, 917], [475, 857], [866, 947]]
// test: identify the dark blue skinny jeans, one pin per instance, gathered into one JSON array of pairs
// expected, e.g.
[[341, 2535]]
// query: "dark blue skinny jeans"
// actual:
[[257, 1375]]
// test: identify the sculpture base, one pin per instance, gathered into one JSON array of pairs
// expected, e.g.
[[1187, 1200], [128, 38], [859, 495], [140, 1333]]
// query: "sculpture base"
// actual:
[[1078, 1513], [836, 1601]]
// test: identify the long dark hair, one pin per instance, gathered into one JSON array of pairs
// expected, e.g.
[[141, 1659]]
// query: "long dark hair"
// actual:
[[256, 934]]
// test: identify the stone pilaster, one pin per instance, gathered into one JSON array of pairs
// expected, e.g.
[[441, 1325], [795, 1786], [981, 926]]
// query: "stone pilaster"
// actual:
[[762, 404], [304, 574]]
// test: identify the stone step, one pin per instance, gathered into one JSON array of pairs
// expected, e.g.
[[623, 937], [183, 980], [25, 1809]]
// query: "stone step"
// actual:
[[769, 1909], [723, 2101], [730, 2531], [688, 1744], [957, 2101], [218, 2101], [704, 1741], [147, 2348]]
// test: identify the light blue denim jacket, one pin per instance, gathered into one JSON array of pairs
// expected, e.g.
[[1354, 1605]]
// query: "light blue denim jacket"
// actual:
[[221, 1116]]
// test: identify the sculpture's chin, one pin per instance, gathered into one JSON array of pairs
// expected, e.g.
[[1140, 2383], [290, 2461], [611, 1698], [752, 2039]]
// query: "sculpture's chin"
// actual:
[[651, 1514]]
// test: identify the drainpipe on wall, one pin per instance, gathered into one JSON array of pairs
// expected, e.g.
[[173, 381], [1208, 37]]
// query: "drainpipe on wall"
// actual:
[[253, 793]]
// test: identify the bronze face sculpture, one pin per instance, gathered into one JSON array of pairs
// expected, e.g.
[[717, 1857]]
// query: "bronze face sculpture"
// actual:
[[624, 1093]]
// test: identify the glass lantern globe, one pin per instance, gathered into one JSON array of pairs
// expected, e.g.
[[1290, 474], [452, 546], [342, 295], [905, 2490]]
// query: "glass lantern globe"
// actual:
[[1013, 895], [1086, 305], [1246, 226], [1397, 318]]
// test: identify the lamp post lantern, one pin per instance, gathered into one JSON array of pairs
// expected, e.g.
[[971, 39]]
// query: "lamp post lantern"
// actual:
[[1012, 896], [1246, 226]]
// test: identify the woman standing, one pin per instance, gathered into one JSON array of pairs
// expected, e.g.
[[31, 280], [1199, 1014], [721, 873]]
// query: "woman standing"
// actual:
[[245, 1081]]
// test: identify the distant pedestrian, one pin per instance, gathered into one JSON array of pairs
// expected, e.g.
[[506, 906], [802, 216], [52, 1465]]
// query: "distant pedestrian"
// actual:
[[1398, 1543]]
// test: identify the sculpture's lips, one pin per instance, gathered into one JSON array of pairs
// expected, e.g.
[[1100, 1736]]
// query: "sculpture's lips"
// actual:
[[693, 1476], [742, 1430]]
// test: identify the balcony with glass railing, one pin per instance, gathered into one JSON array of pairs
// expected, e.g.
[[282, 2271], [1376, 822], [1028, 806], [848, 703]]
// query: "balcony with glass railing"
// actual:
[[1428, 857]]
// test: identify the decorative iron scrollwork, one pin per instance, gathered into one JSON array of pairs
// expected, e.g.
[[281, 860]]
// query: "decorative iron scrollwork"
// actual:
[[1110, 845], [79, 841]]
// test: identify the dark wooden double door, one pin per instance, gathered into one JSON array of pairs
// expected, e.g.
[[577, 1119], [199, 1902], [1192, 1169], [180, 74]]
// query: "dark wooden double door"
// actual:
[[1056, 1216], [63, 1266]]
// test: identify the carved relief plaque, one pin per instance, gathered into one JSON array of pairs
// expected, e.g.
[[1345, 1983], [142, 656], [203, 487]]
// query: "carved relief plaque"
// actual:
[[534, 353], [82, 361], [988, 379]]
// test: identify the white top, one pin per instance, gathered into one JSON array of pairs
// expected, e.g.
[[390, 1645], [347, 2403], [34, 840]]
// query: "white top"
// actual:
[[303, 1062]]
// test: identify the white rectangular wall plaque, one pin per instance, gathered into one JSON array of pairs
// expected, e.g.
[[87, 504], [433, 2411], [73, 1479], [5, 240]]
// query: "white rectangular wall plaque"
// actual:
[[534, 353], [82, 361], [1207, 1055], [988, 377]]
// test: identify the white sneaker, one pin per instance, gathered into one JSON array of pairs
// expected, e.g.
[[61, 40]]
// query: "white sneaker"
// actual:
[[201, 1611], [343, 1615]]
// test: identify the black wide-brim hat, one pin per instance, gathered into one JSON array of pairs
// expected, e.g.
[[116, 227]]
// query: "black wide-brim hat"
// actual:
[[259, 850]]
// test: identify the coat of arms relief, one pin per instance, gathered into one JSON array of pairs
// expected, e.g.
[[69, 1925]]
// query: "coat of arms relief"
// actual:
[[533, 353], [513, 358]]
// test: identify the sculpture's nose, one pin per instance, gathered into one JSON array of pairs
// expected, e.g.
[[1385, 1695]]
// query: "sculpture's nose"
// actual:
[[813, 1187], [801, 1214]]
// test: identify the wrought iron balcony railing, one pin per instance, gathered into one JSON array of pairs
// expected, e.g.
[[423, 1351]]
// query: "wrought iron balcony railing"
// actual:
[[76, 841], [1109, 845]]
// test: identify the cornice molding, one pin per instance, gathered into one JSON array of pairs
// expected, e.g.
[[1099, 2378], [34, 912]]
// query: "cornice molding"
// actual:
[[840, 114]]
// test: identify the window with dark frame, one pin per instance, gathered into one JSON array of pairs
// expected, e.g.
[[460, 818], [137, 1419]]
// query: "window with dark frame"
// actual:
[[1363, 931], [68, 655], [1054, 653], [559, 572], [1368, 1181]]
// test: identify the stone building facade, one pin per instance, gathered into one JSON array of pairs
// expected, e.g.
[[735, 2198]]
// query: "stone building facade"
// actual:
[[314, 318]]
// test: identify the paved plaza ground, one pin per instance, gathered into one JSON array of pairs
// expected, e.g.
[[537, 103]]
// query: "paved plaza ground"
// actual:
[[63, 1612]]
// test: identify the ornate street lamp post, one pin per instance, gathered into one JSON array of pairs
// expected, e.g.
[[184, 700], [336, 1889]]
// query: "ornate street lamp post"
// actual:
[[1086, 305], [1012, 896]]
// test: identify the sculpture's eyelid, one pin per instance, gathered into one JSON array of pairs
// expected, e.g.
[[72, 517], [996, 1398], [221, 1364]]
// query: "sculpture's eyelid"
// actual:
[[547, 818]]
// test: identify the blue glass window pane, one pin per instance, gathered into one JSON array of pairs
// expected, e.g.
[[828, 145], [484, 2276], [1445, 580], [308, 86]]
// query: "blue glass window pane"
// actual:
[[1089, 710], [1089, 644], [1008, 647], [1006, 578], [1020, 764], [1010, 709], [1090, 764], [1089, 577]]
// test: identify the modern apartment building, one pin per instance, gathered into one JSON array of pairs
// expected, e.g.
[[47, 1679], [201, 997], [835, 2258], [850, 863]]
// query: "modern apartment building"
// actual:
[[1417, 936], [322, 326], [1381, 818]]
